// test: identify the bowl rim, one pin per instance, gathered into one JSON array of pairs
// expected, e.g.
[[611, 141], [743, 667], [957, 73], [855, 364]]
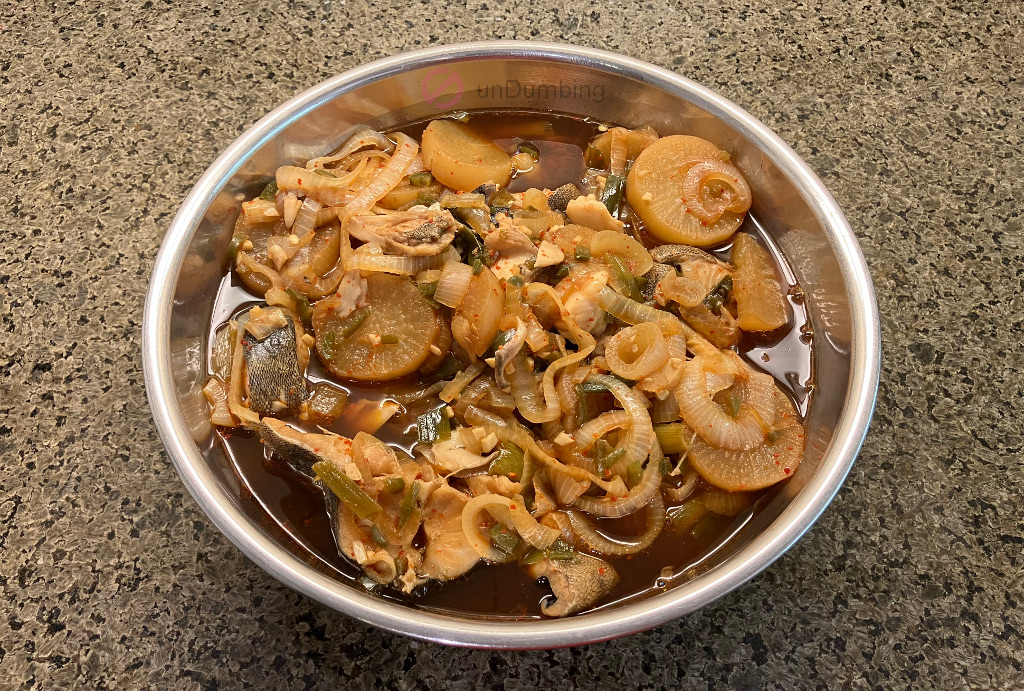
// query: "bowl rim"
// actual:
[[750, 560]]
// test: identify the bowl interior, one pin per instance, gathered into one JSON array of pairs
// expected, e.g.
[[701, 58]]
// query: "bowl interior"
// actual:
[[601, 87]]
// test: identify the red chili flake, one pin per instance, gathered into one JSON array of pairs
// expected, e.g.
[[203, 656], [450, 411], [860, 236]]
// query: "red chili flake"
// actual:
[[787, 471], [600, 570], [300, 181]]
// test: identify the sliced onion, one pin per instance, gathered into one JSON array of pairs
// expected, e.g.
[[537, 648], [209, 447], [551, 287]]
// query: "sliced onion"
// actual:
[[602, 544], [681, 289], [418, 394], [450, 392], [585, 344], [247, 262], [524, 390], [633, 312], [588, 434], [614, 507], [665, 409], [388, 178], [514, 433], [511, 512], [537, 221], [453, 283], [681, 493], [220, 411], [566, 388], [640, 434], [305, 220], [365, 259], [305, 281], [508, 353], [359, 140], [484, 393], [636, 351], [567, 489], [536, 336], [711, 422], [466, 200]]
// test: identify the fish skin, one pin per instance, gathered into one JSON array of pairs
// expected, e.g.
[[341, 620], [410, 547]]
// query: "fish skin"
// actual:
[[577, 584], [273, 371], [654, 276], [675, 254], [273, 433]]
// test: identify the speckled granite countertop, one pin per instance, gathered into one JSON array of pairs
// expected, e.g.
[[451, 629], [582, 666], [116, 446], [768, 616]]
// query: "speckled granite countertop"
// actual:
[[110, 575]]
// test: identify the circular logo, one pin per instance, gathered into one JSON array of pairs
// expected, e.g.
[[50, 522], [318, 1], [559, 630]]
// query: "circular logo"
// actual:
[[441, 87]]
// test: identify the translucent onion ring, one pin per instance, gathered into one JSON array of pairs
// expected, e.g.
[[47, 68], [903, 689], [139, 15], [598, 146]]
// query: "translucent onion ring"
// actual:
[[511, 512], [614, 507], [581, 528], [651, 351]]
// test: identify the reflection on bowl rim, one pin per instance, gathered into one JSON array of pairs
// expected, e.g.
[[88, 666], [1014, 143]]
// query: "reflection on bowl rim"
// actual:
[[647, 613]]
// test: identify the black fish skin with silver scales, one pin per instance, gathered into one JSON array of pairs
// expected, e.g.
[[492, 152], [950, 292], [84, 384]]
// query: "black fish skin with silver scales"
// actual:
[[275, 380]]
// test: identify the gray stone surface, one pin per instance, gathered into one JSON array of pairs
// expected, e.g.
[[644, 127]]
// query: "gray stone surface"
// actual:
[[110, 575]]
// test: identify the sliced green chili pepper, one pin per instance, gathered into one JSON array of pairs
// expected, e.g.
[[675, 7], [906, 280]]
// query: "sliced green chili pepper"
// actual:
[[347, 490], [389, 339], [401, 565], [327, 345], [353, 322], [324, 173], [529, 149], [634, 472], [582, 253], [683, 517], [394, 485], [625, 276], [270, 191], [502, 198], [594, 157], [408, 504], [733, 402], [607, 456], [517, 281], [592, 387], [236, 243], [501, 338], [532, 557], [560, 550], [504, 538], [421, 179], [665, 466], [478, 266], [302, 306], [449, 368], [775, 435], [378, 537], [510, 462], [563, 271], [720, 295]]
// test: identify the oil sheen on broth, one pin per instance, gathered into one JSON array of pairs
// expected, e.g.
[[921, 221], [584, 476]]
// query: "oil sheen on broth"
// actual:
[[295, 509]]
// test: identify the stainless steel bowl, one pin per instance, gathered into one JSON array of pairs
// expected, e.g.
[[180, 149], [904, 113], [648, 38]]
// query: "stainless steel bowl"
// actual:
[[795, 208]]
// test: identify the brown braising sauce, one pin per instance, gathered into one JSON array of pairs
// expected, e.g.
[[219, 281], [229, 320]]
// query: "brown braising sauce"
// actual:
[[295, 506]]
